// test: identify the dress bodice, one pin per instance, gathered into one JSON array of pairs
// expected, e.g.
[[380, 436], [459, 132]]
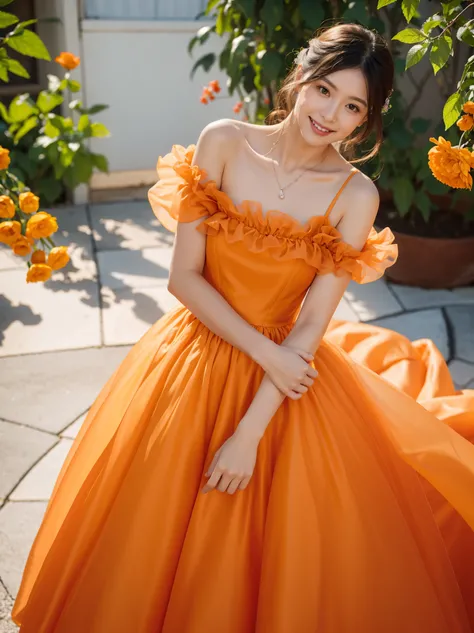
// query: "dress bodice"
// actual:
[[262, 263]]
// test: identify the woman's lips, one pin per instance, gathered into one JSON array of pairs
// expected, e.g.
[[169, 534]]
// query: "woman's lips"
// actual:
[[319, 132]]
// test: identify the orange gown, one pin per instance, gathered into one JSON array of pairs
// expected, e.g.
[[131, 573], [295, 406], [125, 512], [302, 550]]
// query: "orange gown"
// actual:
[[359, 516]]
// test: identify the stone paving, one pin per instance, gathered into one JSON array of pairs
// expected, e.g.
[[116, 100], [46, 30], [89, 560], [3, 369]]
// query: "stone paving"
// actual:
[[60, 341]]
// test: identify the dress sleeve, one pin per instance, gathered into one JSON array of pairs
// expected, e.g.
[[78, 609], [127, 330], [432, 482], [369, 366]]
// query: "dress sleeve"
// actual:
[[369, 264], [179, 195]]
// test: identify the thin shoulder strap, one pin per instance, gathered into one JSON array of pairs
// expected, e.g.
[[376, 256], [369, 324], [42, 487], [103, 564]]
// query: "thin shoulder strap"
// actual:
[[353, 172]]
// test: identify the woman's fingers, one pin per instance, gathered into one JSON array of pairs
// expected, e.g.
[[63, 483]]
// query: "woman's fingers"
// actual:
[[213, 480], [234, 484]]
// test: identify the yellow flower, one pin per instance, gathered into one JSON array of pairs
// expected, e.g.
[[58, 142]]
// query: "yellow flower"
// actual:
[[465, 122], [4, 157], [38, 272], [58, 257], [38, 257], [21, 245], [68, 60], [29, 203], [41, 224], [9, 231], [469, 107], [451, 165], [7, 207]]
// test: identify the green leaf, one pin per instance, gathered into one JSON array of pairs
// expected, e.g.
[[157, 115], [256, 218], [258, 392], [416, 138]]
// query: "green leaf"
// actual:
[[4, 114], [74, 86], [4, 71], [16, 68], [49, 189], [210, 5], [66, 155], [201, 37], [239, 45], [419, 125], [248, 78], [432, 22], [399, 64], [28, 125], [465, 33], [440, 52], [247, 6], [83, 123], [272, 14], [28, 43], [97, 108], [403, 194], [51, 130], [101, 162], [271, 63], [312, 13], [7, 19], [99, 130], [452, 109], [416, 54], [83, 166], [207, 61], [23, 25], [223, 21], [384, 3], [423, 203], [4, 3], [409, 8], [410, 36], [20, 108], [47, 101]]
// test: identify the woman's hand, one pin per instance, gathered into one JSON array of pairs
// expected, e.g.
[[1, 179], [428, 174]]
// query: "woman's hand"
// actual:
[[234, 463], [289, 370]]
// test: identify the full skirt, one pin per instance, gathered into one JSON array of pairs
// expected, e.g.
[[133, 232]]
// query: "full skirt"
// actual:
[[358, 518]]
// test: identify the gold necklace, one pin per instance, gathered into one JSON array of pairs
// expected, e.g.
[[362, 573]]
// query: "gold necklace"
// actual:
[[281, 193]]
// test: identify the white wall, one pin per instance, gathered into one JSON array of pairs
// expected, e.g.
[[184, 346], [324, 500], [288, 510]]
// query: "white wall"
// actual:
[[142, 70]]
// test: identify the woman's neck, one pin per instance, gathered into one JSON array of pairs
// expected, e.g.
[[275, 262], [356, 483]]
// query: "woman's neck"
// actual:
[[293, 153]]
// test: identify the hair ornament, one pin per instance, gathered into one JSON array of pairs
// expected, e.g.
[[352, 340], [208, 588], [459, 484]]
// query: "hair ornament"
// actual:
[[386, 106]]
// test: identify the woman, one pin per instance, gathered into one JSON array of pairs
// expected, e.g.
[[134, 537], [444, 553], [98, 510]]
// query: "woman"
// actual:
[[240, 473]]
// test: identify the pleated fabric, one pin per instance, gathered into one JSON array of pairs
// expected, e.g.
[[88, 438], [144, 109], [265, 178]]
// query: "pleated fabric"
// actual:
[[358, 518]]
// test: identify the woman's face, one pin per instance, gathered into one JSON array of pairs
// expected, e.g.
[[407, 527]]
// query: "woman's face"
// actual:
[[337, 103]]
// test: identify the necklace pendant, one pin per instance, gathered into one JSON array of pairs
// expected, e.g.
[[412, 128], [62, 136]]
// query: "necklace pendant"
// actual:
[[281, 195]]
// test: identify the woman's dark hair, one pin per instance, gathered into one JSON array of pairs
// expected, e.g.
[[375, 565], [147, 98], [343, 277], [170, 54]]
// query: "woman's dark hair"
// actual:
[[336, 48]]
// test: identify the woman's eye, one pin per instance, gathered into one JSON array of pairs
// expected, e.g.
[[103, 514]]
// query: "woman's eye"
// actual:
[[323, 88], [356, 109]]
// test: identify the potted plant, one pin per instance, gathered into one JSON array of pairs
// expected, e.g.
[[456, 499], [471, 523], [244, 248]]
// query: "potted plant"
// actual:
[[433, 221], [428, 208]]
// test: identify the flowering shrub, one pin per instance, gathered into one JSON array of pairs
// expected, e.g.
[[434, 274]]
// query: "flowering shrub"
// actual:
[[26, 230], [51, 152]]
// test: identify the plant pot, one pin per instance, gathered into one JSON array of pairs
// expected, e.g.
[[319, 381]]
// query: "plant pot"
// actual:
[[430, 262]]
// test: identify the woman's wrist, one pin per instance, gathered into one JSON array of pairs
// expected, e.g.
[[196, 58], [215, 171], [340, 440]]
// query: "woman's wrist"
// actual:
[[263, 352]]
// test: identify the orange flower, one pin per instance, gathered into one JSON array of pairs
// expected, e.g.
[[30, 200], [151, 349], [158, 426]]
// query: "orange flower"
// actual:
[[451, 165], [238, 107], [7, 207], [68, 60], [9, 231], [29, 203], [4, 157], [38, 272], [203, 100], [266, 101], [58, 257], [41, 224], [214, 85], [22, 245], [38, 257], [469, 107]]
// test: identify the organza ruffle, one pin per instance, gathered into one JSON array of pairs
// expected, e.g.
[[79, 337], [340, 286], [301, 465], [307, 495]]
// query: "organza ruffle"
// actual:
[[183, 194]]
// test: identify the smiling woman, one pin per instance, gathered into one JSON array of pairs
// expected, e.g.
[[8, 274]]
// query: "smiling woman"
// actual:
[[358, 103]]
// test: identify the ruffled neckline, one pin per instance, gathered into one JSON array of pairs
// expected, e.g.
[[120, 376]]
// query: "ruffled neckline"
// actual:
[[184, 192]]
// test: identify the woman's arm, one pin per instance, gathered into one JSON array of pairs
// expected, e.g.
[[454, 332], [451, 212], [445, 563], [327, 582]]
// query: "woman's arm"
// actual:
[[318, 308], [188, 285]]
